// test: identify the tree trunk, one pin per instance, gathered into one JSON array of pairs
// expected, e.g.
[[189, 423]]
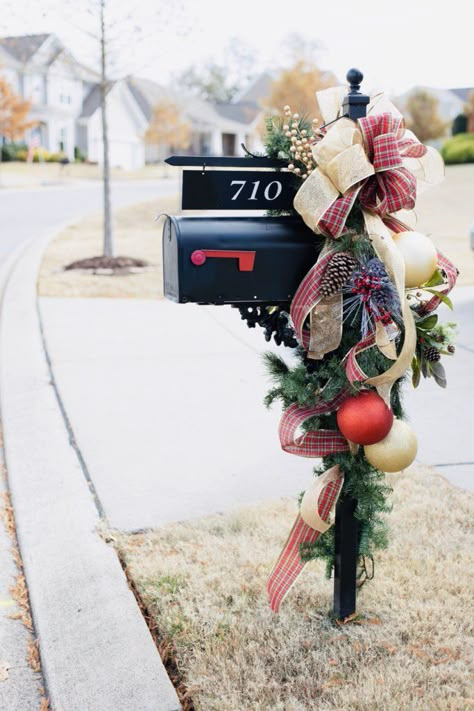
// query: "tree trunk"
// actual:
[[108, 235]]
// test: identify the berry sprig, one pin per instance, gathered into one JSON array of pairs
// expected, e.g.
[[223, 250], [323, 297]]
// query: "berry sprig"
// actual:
[[371, 293], [303, 162]]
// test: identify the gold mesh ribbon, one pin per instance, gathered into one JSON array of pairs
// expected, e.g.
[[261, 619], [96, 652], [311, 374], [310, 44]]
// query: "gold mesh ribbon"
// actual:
[[343, 166], [342, 163]]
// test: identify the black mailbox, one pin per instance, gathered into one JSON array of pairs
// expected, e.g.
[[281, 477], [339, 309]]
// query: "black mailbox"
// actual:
[[236, 260]]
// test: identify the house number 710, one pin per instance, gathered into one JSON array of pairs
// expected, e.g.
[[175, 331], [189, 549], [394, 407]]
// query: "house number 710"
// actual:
[[256, 184]]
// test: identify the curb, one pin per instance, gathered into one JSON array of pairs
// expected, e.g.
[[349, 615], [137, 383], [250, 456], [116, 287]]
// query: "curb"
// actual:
[[97, 652]]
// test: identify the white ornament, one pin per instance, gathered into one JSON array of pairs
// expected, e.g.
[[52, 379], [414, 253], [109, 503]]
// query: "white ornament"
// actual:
[[396, 451], [419, 255]]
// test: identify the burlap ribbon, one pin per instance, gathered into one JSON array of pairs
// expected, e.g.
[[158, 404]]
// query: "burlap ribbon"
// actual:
[[375, 156], [382, 164]]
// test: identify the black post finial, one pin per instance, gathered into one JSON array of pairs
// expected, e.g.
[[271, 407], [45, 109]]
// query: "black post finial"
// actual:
[[354, 78], [355, 103]]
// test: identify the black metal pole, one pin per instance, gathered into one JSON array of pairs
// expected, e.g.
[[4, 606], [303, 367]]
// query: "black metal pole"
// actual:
[[346, 525]]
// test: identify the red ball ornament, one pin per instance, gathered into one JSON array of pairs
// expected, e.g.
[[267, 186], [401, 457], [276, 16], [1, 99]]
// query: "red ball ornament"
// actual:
[[365, 418]]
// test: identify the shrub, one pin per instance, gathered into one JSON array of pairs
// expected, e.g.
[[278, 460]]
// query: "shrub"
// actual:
[[459, 149], [13, 151], [40, 155], [459, 124], [55, 157], [79, 156]]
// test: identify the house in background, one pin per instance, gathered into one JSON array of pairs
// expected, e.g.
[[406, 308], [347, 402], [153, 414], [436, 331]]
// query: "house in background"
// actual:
[[65, 102], [126, 127], [42, 70], [216, 129], [65, 99]]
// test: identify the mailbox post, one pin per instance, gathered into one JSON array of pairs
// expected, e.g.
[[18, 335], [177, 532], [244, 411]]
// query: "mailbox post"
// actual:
[[346, 525], [272, 255]]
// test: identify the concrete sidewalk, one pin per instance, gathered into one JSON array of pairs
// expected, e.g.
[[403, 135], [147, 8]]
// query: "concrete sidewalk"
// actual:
[[96, 650], [166, 403]]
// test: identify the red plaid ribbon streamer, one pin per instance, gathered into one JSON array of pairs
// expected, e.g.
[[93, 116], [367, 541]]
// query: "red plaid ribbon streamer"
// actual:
[[315, 443], [393, 187], [289, 565], [353, 370]]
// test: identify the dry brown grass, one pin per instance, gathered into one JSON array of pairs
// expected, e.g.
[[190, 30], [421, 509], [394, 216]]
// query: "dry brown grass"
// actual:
[[136, 234], [19, 591], [203, 583]]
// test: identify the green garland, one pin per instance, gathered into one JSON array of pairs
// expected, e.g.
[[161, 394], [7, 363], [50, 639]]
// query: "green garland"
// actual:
[[308, 382]]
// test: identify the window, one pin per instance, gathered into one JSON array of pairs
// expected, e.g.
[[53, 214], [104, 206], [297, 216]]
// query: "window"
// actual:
[[66, 91], [37, 89]]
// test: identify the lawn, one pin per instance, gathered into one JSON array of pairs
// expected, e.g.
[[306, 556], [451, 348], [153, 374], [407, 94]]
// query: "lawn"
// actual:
[[137, 234], [202, 584]]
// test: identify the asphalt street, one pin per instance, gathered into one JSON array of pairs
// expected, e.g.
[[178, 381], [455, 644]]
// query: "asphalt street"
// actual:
[[33, 212]]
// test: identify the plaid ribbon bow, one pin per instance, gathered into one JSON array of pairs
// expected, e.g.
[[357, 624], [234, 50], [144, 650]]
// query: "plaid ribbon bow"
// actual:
[[392, 187]]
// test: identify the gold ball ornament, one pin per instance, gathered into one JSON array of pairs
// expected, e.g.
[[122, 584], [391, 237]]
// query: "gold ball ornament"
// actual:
[[419, 255], [396, 451]]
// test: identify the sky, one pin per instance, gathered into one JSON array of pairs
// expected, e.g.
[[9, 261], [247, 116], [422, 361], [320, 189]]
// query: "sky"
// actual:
[[396, 45]]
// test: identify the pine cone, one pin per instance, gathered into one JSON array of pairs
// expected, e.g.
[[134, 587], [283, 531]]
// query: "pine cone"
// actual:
[[451, 349], [337, 273], [432, 354]]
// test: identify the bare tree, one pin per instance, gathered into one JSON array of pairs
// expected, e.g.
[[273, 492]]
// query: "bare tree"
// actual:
[[108, 236], [110, 28]]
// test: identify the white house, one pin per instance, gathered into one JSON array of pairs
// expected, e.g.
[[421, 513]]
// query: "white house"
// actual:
[[126, 127], [65, 98], [66, 104], [43, 71], [216, 129]]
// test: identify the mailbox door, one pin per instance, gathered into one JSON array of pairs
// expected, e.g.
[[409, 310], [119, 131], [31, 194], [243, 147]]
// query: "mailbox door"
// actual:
[[213, 260]]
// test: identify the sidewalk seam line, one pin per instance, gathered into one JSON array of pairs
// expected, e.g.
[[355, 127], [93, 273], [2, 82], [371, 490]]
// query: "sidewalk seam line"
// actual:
[[453, 464], [67, 422]]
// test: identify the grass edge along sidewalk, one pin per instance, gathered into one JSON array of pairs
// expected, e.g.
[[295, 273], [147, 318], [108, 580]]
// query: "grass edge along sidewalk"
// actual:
[[203, 586]]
